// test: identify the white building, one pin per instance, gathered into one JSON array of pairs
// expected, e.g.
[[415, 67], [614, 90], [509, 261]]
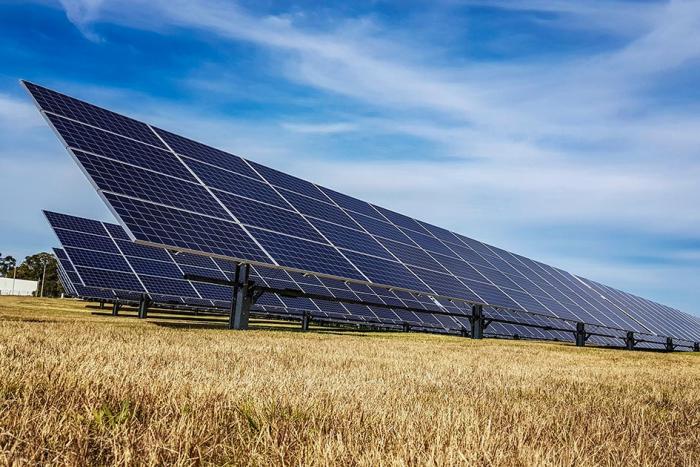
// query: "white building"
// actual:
[[10, 286]]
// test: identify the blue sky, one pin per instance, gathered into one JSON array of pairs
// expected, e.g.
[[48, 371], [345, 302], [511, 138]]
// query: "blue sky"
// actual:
[[565, 131]]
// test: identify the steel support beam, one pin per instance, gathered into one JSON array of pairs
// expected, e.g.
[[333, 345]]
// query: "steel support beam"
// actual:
[[630, 341], [580, 335], [406, 327], [242, 298], [234, 296], [477, 321], [115, 308], [102, 304], [696, 347], [144, 303], [669, 344], [305, 321], [476, 318], [295, 293], [463, 332]]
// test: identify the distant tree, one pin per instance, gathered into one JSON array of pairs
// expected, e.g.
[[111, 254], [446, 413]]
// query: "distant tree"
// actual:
[[33, 269], [7, 263]]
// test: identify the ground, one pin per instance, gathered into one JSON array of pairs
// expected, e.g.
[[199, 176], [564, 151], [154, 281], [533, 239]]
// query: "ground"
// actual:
[[83, 388]]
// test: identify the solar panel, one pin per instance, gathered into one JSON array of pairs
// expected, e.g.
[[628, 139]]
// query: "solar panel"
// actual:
[[173, 192], [532, 327], [73, 285], [154, 264], [661, 319], [97, 257], [66, 283]]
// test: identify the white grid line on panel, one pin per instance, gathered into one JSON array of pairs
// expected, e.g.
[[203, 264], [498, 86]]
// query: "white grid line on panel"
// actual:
[[206, 187], [300, 214]]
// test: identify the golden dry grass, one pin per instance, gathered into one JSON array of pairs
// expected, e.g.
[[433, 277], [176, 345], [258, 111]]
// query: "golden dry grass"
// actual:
[[82, 389]]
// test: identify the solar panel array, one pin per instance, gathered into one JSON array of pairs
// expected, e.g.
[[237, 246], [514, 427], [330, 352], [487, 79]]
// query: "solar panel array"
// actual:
[[66, 283], [94, 250], [99, 256], [174, 192], [71, 283], [531, 327]]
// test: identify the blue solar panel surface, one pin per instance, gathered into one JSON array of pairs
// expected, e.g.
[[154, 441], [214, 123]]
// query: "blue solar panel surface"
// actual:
[[66, 283], [73, 285], [98, 257], [529, 327], [184, 195], [157, 271]]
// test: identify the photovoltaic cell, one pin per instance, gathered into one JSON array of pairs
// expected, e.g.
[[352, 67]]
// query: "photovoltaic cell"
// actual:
[[201, 152], [353, 204], [351, 239], [428, 243], [167, 226], [282, 180], [302, 254], [109, 279], [269, 217], [154, 268], [97, 259], [381, 228], [150, 186], [318, 209], [87, 113], [231, 182], [86, 241], [109, 145]]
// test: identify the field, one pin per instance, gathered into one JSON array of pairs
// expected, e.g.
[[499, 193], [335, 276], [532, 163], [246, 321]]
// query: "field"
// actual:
[[79, 388]]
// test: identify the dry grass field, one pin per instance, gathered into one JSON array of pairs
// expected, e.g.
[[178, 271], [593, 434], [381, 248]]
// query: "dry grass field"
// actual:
[[76, 388]]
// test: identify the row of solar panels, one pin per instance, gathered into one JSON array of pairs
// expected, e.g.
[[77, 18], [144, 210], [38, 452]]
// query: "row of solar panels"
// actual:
[[172, 192], [98, 261]]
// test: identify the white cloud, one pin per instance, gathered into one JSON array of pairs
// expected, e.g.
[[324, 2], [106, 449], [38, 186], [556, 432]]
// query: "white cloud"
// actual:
[[614, 17], [576, 139], [319, 128], [537, 129], [17, 113], [82, 13]]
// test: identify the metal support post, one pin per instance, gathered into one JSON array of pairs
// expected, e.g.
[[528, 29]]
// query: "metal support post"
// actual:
[[696, 347], [102, 304], [115, 308], [305, 321], [630, 341], [242, 298], [406, 327], [144, 302], [463, 332], [580, 335], [234, 296], [477, 320], [669, 344]]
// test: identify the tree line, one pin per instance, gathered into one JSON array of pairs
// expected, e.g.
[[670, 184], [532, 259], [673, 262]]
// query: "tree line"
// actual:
[[32, 268]]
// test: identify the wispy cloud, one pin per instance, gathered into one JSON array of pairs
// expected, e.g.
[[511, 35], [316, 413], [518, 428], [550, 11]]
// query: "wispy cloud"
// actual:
[[18, 114], [319, 128], [578, 138], [610, 16], [537, 129], [82, 14]]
